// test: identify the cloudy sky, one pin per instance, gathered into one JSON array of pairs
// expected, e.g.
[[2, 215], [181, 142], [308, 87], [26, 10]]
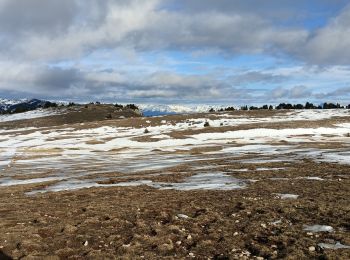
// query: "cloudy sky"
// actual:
[[176, 51]]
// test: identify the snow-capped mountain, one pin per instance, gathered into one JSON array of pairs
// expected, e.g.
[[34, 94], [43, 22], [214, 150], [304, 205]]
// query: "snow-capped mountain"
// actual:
[[22, 105], [153, 109]]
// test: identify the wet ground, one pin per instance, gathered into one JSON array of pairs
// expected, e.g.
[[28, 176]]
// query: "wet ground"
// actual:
[[266, 186]]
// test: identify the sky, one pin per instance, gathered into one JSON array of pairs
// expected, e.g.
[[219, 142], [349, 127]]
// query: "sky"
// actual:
[[176, 51]]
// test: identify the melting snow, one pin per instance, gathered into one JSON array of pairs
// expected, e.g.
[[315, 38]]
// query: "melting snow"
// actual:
[[335, 246], [287, 196], [318, 228]]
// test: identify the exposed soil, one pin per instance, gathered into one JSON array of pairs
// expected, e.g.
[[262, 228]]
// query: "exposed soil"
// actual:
[[136, 222]]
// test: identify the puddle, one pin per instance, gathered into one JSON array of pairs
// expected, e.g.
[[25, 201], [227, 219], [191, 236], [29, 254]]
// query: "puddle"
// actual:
[[318, 228]]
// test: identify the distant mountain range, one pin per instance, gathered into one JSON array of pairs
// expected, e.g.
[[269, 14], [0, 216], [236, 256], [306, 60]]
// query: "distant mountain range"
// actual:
[[154, 110], [8, 106]]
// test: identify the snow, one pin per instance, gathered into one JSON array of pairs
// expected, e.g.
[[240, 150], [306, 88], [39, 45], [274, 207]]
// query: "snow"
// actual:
[[284, 196], [335, 246], [318, 228], [69, 152], [27, 115], [204, 181]]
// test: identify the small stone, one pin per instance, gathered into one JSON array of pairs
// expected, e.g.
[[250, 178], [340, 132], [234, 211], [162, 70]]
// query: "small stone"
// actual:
[[237, 221], [86, 243], [235, 234], [189, 237], [259, 258], [191, 254], [182, 216], [312, 249], [178, 243], [263, 225], [309, 234]]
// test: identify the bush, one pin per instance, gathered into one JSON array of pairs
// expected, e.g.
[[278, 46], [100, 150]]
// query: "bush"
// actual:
[[118, 106], [206, 124], [132, 106], [146, 131]]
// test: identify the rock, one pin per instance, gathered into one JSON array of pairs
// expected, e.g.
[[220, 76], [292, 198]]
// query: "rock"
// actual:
[[189, 237], [263, 225], [312, 249], [191, 254], [86, 243], [235, 234], [182, 216]]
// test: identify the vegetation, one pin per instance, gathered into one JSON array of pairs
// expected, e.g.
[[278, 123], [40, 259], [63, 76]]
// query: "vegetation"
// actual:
[[307, 105]]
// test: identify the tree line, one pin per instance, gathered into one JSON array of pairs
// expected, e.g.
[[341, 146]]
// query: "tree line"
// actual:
[[307, 105]]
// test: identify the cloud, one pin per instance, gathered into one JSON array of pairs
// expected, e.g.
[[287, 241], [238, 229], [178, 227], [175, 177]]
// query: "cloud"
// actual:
[[343, 92], [69, 29], [257, 77], [52, 48], [330, 44], [296, 92]]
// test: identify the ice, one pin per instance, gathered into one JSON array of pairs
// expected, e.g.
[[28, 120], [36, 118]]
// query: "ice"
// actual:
[[312, 178], [335, 246], [318, 228], [205, 181], [284, 196], [12, 182]]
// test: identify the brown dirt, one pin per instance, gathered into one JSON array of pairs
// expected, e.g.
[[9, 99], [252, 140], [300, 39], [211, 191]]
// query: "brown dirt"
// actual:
[[141, 221]]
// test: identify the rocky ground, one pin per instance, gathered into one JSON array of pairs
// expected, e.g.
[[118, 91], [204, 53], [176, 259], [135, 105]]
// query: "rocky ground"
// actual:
[[295, 208]]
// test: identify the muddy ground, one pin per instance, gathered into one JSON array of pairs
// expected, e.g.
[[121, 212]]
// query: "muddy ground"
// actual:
[[142, 222]]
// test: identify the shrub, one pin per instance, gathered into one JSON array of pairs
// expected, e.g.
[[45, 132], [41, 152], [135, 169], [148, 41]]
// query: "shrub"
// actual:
[[132, 106], [206, 124]]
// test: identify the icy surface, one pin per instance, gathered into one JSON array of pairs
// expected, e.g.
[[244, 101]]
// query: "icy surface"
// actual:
[[335, 246], [205, 181], [287, 196], [318, 228]]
